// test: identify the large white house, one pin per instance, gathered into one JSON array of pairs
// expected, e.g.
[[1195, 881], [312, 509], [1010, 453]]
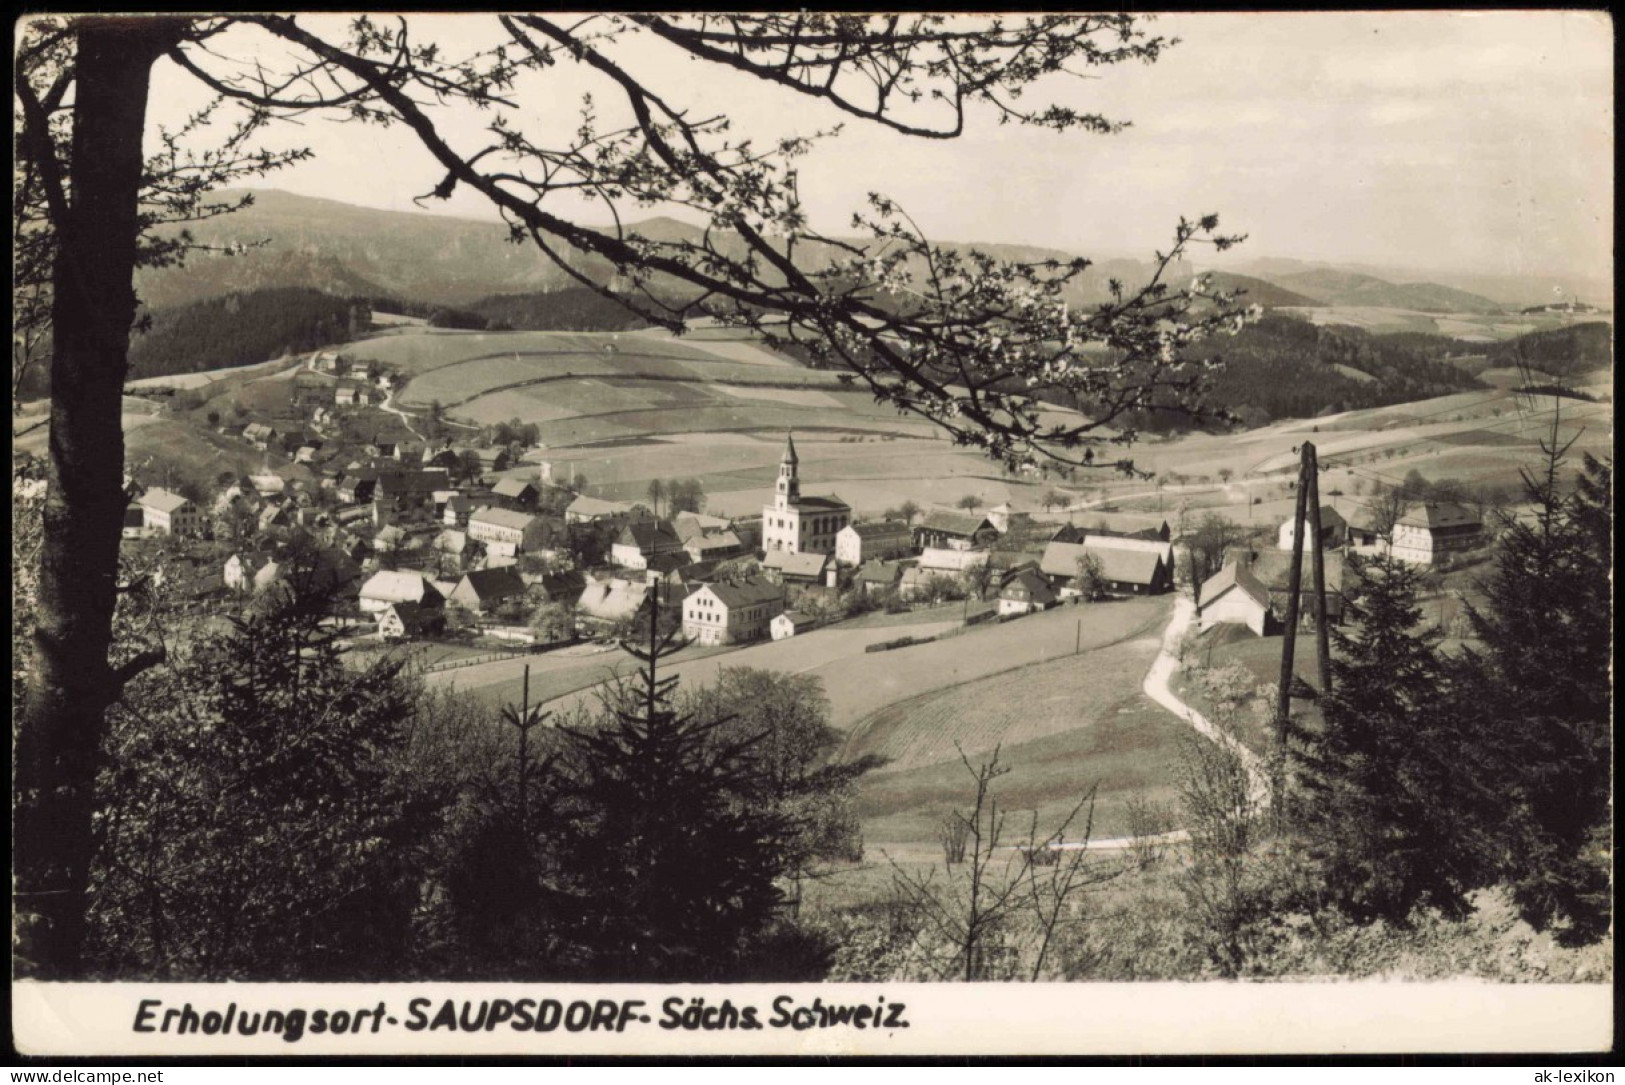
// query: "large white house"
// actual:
[[1429, 531], [505, 532], [731, 613], [169, 513], [873, 541], [796, 523]]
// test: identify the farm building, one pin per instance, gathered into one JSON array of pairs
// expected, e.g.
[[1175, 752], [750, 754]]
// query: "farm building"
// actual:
[[642, 540], [879, 576], [783, 567], [691, 525], [791, 622], [874, 540], [1133, 568], [1334, 531], [402, 621], [506, 533], [1273, 570], [259, 434], [493, 460], [1025, 593], [239, 570], [604, 603], [942, 530], [1234, 595], [1363, 537], [731, 613], [165, 513], [796, 523], [516, 493], [714, 547], [483, 590], [950, 561], [1427, 532], [586, 510], [388, 587]]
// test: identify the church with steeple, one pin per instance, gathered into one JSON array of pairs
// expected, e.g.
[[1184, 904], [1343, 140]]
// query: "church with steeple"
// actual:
[[797, 524]]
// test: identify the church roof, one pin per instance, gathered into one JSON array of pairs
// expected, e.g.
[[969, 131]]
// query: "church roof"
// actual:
[[789, 449]]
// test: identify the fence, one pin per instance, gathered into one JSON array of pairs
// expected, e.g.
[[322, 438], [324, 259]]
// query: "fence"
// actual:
[[498, 653]]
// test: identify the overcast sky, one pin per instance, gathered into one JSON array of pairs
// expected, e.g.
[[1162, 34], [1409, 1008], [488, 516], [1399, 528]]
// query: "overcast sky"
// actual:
[[1469, 141]]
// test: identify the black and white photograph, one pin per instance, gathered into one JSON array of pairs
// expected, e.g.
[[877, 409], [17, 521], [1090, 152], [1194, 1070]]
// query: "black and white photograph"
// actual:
[[715, 533]]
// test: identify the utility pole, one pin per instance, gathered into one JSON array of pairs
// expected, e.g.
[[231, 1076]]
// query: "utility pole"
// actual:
[[1323, 651], [1283, 703]]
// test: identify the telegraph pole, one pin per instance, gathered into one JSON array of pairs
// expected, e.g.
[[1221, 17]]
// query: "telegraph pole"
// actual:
[[1323, 651], [1283, 703]]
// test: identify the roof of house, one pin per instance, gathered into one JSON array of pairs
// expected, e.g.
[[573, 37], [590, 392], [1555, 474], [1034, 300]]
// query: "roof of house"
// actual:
[[397, 586], [497, 583], [816, 503], [668, 562], [880, 572], [726, 540], [796, 617], [507, 518], [1163, 550], [1069, 533], [649, 535], [954, 523], [512, 487], [1273, 568], [878, 529], [451, 541], [1329, 518], [613, 599], [411, 482], [1127, 566], [796, 564], [746, 593], [1130, 565], [591, 507], [1029, 584], [160, 500], [1234, 575], [1439, 516], [414, 617]]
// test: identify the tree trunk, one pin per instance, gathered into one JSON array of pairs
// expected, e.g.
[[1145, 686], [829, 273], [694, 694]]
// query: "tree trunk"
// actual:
[[73, 683]]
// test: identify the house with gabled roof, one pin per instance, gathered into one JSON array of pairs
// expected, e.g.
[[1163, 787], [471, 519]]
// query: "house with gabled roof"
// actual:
[[482, 590], [791, 622], [507, 533], [1136, 567], [786, 567], [731, 613], [516, 493], [879, 576], [1026, 592], [944, 530], [641, 540], [398, 586], [872, 540], [1273, 570], [166, 513], [1428, 531], [1234, 595], [609, 602], [585, 510], [403, 621]]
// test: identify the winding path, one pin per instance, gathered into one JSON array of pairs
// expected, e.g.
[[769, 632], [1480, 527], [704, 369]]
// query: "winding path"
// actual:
[[1158, 687]]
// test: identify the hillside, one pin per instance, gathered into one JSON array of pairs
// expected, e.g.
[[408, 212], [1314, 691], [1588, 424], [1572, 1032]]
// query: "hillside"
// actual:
[[1258, 291], [1333, 287], [1563, 352], [449, 261]]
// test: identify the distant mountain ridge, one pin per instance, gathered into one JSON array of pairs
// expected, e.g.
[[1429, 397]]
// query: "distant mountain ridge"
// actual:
[[1333, 287], [330, 245]]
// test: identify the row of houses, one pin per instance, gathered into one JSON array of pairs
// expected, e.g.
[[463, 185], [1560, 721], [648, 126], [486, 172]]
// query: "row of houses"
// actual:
[[1423, 533]]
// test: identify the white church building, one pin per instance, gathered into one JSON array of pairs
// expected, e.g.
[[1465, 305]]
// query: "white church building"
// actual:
[[797, 524]]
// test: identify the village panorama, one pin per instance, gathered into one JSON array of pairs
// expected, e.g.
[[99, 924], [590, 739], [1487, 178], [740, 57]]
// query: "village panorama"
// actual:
[[509, 614]]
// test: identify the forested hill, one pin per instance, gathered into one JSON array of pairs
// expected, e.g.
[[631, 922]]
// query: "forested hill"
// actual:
[[576, 309], [1562, 352], [1287, 368], [241, 329], [1282, 367]]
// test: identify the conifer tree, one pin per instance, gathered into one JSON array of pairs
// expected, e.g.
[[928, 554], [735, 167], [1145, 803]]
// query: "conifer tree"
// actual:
[[1543, 676], [667, 864], [1395, 782]]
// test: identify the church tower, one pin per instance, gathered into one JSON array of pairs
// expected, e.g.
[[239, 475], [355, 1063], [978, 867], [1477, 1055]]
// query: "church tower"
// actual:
[[787, 491]]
